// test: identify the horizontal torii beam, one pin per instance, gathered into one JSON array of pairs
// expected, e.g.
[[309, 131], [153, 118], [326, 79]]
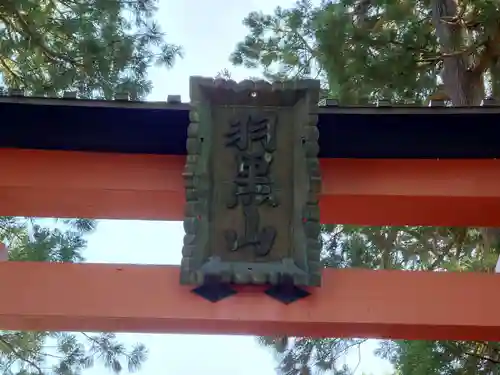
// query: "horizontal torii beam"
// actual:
[[355, 191], [351, 303]]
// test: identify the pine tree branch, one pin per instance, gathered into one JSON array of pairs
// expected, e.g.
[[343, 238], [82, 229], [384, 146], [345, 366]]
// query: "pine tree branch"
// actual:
[[20, 356], [489, 53], [53, 56], [484, 358], [103, 347], [37, 38], [462, 52], [9, 70]]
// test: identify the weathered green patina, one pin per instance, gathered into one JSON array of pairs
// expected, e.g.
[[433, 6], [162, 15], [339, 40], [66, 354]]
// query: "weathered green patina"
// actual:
[[252, 181]]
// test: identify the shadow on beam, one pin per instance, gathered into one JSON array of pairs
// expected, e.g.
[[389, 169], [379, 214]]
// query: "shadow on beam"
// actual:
[[161, 128]]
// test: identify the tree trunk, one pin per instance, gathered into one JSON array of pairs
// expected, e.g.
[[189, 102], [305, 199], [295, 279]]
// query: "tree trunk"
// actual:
[[4, 252], [463, 85], [495, 78]]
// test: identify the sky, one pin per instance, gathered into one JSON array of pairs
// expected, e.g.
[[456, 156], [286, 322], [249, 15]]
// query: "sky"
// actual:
[[208, 31]]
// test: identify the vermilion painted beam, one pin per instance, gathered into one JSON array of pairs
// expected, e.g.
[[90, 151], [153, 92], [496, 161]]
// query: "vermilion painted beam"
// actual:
[[355, 191], [351, 303]]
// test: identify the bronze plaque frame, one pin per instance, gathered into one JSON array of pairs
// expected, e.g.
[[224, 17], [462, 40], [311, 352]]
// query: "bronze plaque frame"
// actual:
[[211, 102]]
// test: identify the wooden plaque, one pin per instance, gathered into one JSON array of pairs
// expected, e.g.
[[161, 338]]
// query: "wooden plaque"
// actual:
[[252, 180]]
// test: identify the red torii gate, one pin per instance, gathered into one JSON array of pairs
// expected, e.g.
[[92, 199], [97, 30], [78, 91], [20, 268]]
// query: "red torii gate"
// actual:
[[89, 173]]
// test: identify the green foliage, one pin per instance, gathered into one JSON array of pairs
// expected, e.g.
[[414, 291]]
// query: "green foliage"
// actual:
[[411, 248], [442, 357], [401, 50], [299, 356], [49, 353], [95, 47], [286, 38], [373, 49]]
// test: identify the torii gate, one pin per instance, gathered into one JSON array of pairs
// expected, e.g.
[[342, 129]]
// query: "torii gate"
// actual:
[[124, 160]]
